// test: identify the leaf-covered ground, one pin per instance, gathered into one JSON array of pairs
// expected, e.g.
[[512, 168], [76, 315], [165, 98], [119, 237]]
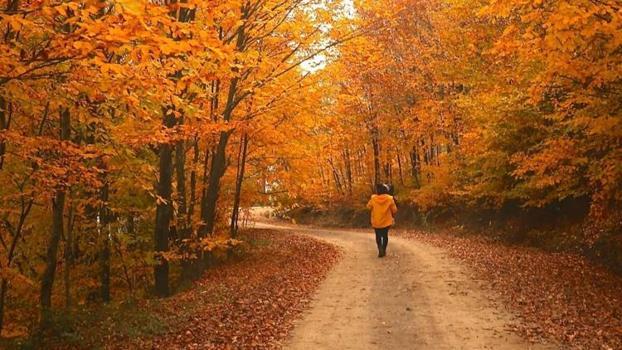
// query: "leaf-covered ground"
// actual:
[[249, 302], [558, 296]]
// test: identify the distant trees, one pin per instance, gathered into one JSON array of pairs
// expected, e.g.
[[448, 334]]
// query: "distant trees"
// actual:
[[482, 102]]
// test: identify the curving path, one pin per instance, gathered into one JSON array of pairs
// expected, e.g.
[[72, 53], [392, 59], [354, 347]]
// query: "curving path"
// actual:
[[415, 298]]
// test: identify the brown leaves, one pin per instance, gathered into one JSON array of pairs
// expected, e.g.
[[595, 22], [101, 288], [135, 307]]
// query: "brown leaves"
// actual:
[[250, 303], [559, 296]]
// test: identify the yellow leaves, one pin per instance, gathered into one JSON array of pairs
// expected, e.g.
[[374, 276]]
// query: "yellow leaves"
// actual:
[[14, 22], [535, 103], [496, 8], [599, 126], [195, 247], [83, 46], [107, 68], [133, 7], [556, 168], [230, 19]]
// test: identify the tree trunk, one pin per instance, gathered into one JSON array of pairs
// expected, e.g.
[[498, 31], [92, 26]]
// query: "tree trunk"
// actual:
[[324, 181], [183, 212], [6, 112], [4, 287], [104, 254], [190, 268], [360, 160], [399, 165], [58, 209], [68, 253], [214, 103], [204, 182], [238, 184], [180, 167], [17, 236], [193, 183], [4, 125], [388, 172], [348, 166], [219, 165], [215, 89], [164, 210], [336, 176], [416, 166], [219, 159], [376, 147]]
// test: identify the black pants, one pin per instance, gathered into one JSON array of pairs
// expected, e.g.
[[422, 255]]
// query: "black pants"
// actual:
[[382, 238]]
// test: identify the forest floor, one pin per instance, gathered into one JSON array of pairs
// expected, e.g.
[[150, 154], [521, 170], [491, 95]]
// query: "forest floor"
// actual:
[[557, 295], [417, 297], [246, 302], [438, 290], [299, 287]]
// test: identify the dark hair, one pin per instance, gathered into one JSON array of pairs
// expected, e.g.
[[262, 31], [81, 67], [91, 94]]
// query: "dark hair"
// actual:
[[382, 189]]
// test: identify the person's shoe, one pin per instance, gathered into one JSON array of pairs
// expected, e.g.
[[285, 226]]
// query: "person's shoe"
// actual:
[[383, 253], [380, 253]]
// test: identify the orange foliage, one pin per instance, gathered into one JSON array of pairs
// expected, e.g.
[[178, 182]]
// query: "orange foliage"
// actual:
[[117, 114]]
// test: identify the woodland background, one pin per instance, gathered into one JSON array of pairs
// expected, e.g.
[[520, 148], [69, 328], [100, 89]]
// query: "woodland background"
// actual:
[[134, 135]]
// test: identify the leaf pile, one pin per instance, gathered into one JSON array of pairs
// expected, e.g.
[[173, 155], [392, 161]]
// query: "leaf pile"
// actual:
[[248, 301], [251, 303], [558, 296]]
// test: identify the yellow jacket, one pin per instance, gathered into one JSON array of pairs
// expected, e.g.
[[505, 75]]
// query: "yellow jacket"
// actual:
[[382, 210]]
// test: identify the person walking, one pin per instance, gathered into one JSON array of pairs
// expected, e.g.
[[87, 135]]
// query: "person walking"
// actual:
[[383, 209]]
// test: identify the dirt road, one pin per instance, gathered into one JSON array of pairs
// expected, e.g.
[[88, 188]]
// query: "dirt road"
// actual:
[[415, 298]]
